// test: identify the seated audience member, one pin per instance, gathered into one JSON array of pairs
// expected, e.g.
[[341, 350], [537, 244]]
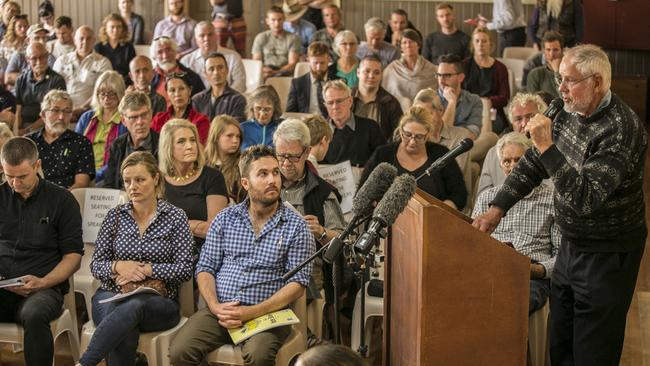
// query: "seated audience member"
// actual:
[[264, 116], [313, 13], [9, 10], [114, 44], [31, 87], [44, 259], [411, 73], [448, 40], [15, 38], [5, 134], [162, 260], [278, 50], [330, 354], [487, 77], [141, 74], [206, 39], [7, 107], [521, 109], [296, 24], [375, 29], [81, 68], [134, 21], [18, 62], [219, 98], [102, 125], [46, 16], [529, 226], [462, 108], [539, 59], [372, 101], [189, 184], [564, 17], [135, 108], [345, 66], [223, 151], [177, 27], [413, 152], [306, 93], [264, 221], [332, 18], [164, 53], [397, 23], [314, 198], [354, 138], [64, 42], [542, 78], [321, 135], [228, 20], [178, 90], [66, 156]]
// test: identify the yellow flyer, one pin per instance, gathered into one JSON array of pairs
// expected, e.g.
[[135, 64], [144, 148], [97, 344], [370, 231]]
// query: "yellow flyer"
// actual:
[[262, 323]]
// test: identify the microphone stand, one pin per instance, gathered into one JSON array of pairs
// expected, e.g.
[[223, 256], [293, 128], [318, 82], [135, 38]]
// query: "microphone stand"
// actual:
[[432, 168]]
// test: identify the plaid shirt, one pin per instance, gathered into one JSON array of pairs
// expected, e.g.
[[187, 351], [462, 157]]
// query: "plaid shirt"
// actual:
[[247, 268], [529, 225]]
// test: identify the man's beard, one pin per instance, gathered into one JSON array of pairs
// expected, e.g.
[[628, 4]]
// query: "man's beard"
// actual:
[[554, 7], [166, 66]]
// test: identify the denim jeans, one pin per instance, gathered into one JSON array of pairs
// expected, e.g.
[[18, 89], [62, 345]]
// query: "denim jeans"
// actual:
[[119, 325], [34, 313]]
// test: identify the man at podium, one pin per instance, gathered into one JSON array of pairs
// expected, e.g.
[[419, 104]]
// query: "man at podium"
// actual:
[[594, 152]]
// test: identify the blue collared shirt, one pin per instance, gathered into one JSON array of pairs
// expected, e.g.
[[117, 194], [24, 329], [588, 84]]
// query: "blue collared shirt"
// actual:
[[303, 29], [249, 268]]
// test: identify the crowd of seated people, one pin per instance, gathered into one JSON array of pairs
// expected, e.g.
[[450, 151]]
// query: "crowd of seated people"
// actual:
[[208, 166]]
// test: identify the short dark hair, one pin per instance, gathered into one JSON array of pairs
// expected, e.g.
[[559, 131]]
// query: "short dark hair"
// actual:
[[401, 12], [453, 59], [412, 35], [372, 57], [330, 354], [63, 21], [552, 36], [444, 6], [251, 155], [216, 55], [18, 149], [275, 9], [45, 8], [318, 49]]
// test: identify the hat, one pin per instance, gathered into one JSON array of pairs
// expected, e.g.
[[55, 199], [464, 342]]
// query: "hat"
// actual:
[[35, 28], [293, 10]]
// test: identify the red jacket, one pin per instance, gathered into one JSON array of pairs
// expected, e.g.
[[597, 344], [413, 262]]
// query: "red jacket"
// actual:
[[198, 119]]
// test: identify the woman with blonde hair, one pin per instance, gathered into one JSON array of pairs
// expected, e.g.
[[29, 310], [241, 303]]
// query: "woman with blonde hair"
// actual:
[[413, 152], [115, 43], [189, 184], [15, 40], [103, 123], [222, 152]]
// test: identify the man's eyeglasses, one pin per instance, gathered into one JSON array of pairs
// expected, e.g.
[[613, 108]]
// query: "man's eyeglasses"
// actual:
[[446, 76], [419, 138], [568, 81], [294, 158], [56, 111], [510, 162], [331, 103], [138, 117]]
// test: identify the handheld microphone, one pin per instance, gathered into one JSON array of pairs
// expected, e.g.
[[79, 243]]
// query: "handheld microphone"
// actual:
[[463, 146], [552, 111], [373, 189], [393, 203]]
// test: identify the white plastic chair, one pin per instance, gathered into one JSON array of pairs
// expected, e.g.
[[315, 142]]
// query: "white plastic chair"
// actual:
[[517, 67], [282, 85], [301, 69], [538, 335], [142, 50], [315, 315], [374, 308], [295, 343], [155, 345], [253, 71], [522, 53], [66, 323]]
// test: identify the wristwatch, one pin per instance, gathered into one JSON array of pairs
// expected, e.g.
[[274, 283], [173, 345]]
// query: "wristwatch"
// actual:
[[323, 235]]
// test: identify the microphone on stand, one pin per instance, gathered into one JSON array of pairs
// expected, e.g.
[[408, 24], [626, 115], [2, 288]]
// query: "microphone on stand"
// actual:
[[463, 146], [552, 111]]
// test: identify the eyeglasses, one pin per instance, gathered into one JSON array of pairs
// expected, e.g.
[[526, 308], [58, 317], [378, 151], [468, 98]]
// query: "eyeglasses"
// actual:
[[263, 109], [138, 117], [569, 82], [527, 116], [56, 111], [291, 157], [510, 162], [107, 94], [35, 59], [446, 76], [331, 103], [419, 138]]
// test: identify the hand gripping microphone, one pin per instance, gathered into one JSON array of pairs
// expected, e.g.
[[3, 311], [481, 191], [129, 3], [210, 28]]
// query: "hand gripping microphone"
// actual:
[[373, 189], [463, 146], [552, 111], [393, 203]]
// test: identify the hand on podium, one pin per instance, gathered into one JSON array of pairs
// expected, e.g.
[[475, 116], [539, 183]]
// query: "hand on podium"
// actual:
[[489, 220]]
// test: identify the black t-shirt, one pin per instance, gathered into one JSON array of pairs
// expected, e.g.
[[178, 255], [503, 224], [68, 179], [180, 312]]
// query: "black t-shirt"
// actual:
[[438, 43], [479, 80], [191, 197], [119, 57]]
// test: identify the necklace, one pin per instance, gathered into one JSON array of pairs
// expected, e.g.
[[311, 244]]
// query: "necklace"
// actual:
[[183, 178]]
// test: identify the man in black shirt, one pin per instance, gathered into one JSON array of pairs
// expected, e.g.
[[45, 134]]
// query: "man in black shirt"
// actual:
[[449, 39], [67, 156], [40, 241]]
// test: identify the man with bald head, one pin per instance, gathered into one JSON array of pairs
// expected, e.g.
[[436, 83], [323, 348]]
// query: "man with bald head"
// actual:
[[141, 73], [81, 68], [31, 88], [17, 62]]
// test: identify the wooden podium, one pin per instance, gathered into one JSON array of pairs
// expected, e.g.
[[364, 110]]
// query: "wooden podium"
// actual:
[[453, 295]]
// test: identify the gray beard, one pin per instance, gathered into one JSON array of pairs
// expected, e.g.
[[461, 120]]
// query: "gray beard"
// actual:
[[554, 7]]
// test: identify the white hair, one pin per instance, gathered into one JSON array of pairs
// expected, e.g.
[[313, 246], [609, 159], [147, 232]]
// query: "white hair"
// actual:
[[590, 59], [513, 138], [375, 24], [293, 129]]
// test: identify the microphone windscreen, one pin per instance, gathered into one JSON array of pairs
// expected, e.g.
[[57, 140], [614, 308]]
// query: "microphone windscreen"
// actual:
[[554, 108], [467, 144], [373, 189], [396, 198]]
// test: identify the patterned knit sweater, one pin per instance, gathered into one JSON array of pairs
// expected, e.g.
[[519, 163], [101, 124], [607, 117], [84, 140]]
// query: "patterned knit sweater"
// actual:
[[596, 165]]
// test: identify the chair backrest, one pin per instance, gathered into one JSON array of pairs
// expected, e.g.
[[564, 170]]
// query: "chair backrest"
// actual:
[[69, 302], [511, 81], [253, 71], [301, 69], [142, 50], [186, 298], [300, 308], [282, 85], [517, 67], [522, 53]]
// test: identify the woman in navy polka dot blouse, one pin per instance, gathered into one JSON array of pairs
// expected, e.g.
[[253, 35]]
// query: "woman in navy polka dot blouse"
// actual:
[[144, 238]]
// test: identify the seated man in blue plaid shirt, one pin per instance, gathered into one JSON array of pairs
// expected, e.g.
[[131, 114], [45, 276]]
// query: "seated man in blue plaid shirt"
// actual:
[[247, 250], [529, 226]]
